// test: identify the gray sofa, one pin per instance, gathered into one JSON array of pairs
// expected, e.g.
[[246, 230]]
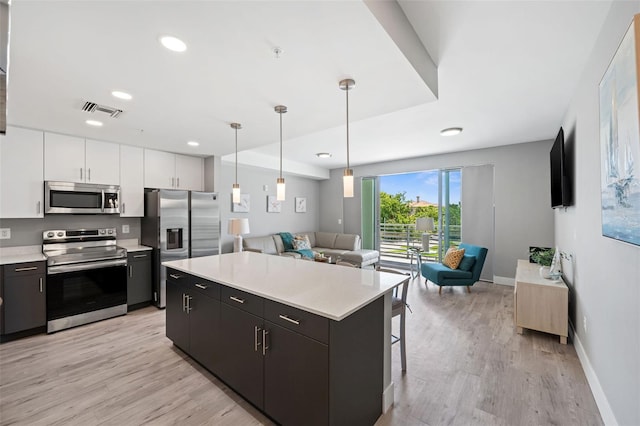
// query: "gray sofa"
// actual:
[[346, 247]]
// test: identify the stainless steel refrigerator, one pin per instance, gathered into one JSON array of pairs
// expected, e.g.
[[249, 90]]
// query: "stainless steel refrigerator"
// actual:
[[204, 223], [166, 228]]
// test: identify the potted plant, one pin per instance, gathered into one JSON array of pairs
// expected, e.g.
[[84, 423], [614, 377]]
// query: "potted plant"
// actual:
[[543, 258]]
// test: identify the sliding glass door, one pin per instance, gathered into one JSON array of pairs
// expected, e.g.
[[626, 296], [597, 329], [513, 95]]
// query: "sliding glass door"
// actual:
[[417, 212]]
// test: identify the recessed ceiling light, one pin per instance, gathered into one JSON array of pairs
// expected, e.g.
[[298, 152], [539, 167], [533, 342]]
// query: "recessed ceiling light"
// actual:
[[193, 143], [451, 131], [173, 43], [94, 123], [121, 95], [323, 155]]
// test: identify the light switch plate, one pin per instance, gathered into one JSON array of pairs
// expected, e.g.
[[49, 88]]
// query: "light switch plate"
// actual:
[[5, 233], [125, 229]]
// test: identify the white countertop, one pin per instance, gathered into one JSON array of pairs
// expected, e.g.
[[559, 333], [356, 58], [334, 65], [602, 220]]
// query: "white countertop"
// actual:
[[132, 245], [328, 290], [20, 254]]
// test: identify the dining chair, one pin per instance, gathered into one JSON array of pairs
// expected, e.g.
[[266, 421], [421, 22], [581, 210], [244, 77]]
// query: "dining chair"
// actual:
[[399, 307]]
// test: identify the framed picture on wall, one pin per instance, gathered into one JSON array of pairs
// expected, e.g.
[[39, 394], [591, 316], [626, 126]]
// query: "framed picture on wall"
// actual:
[[273, 205], [243, 206], [301, 205], [620, 141]]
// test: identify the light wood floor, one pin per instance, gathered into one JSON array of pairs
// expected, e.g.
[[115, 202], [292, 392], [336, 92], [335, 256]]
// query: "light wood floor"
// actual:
[[466, 366]]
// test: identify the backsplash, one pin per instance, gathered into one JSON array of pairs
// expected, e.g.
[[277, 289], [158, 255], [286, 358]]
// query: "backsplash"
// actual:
[[27, 232]]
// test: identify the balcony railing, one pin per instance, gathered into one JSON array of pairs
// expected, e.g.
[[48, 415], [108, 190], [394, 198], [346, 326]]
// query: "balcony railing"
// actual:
[[396, 240]]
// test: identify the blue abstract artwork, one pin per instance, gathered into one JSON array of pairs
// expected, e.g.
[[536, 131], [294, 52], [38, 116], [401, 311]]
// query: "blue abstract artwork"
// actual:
[[620, 142]]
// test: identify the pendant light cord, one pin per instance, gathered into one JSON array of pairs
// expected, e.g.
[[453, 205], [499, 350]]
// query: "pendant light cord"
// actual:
[[280, 145], [347, 91], [236, 129]]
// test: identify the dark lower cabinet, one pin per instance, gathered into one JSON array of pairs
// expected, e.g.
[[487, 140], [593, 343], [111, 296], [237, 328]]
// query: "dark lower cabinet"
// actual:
[[139, 292], [296, 378], [23, 292], [241, 360], [193, 317], [297, 367], [177, 319]]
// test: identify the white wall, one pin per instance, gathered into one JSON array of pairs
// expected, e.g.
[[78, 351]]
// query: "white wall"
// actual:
[[604, 276], [251, 182], [523, 215]]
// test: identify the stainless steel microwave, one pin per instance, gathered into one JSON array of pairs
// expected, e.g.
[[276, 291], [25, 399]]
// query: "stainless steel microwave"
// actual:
[[81, 198]]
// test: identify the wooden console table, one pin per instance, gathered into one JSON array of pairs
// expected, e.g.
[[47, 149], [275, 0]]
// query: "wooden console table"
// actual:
[[540, 304]]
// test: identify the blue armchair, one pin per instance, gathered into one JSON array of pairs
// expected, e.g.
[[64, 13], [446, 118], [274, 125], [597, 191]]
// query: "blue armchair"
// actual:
[[442, 275]]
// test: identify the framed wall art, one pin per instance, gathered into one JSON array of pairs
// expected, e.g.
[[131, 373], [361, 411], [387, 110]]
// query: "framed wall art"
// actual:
[[243, 206], [620, 141], [273, 205], [301, 205]]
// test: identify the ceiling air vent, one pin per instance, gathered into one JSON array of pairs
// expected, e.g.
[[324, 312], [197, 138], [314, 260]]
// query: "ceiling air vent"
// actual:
[[94, 107]]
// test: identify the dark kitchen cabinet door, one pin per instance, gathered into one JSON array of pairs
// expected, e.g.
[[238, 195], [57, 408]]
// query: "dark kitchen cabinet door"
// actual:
[[24, 299], [241, 359], [139, 292], [296, 378], [204, 324], [177, 318]]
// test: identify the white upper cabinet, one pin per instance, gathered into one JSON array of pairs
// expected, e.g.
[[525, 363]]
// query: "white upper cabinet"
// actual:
[[131, 181], [159, 169], [63, 158], [172, 171], [21, 175], [102, 161], [189, 172], [71, 159]]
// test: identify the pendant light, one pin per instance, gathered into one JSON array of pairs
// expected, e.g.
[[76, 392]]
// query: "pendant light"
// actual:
[[236, 186], [347, 178], [280, 109]]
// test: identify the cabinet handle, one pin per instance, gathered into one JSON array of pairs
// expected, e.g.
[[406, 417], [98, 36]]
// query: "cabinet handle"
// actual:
[[175, 277], [81, 173], [177, 182], [173, 182], [137, 256], [130, 271], [291, 320], [38, 207], [265, 333], [41, 287], [204, 287], [123, 208], [235, 299], [184, 302], [30, 268], [88, 174], [256, 330], [189, 308]]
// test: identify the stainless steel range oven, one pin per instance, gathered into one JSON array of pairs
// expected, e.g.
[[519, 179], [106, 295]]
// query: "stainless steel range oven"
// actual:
[[86, 277]]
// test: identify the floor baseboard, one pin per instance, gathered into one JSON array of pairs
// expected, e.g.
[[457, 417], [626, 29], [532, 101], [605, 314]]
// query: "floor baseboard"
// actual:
[[606, 412]]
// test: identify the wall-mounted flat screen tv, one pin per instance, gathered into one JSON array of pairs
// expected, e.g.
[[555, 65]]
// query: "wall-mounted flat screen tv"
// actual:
[[560, 180]]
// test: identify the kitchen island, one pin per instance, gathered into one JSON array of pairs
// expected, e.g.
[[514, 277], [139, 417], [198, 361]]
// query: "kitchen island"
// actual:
[[305, 342]]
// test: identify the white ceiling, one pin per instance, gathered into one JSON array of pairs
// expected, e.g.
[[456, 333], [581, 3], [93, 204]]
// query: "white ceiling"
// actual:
[[506, 71]]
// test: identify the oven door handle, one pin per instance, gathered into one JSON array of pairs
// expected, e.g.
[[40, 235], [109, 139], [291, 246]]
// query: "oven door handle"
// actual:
[[61, 269]]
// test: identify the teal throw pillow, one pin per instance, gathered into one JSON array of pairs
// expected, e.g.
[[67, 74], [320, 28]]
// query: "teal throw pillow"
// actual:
[[467, 262]]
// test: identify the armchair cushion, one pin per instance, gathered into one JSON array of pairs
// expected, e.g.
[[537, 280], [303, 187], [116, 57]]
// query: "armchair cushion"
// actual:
[[467, 262], [453, 257]]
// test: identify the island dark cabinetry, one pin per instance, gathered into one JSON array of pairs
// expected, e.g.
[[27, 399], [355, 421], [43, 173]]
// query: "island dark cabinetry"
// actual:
[[139, 291], [193, 316], [23, 293], [241, 359], [297, 367], [296, 378]]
